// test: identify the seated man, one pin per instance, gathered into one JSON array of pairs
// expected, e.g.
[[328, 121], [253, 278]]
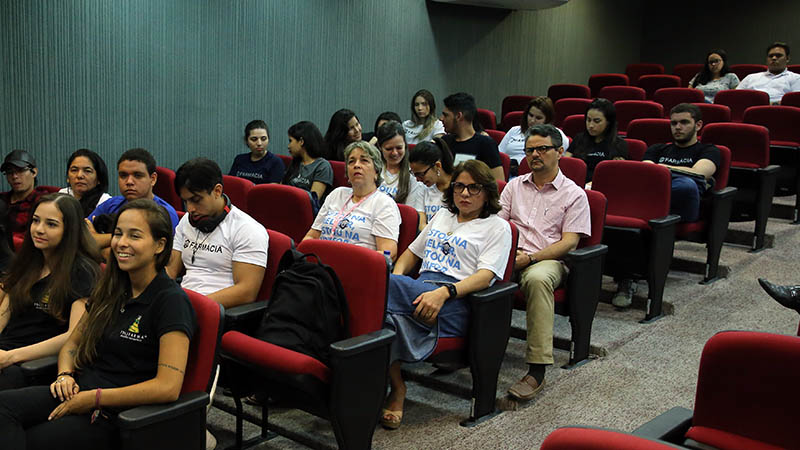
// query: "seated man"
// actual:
[[457, 116], [20, 170], [221, 249], [136, 171], [551, 213], [692, 163], [777, 80]]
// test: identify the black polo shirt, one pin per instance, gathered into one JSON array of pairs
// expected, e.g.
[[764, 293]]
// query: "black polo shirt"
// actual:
[[682, 156], [480, 147], [35, 324], [128, 351]]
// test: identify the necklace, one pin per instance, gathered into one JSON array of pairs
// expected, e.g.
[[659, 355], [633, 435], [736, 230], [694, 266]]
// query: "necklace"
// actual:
[[197, 246], [343, 222]]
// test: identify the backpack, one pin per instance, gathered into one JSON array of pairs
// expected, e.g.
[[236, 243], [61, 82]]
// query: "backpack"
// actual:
[[307, 310]]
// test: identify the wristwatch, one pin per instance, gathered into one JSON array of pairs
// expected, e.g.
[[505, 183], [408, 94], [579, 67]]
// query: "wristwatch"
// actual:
[[531, 259], [451, 288]]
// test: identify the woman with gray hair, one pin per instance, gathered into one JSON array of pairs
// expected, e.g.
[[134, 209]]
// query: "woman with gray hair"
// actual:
[[361, 214]]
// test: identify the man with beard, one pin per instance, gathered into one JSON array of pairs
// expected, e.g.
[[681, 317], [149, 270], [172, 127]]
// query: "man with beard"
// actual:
[[777, 80], [551, 213]]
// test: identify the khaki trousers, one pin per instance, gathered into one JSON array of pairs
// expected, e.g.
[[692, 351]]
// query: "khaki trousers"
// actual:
[[538, 283]]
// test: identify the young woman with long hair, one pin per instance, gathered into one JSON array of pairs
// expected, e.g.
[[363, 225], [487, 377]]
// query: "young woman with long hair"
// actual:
[[432, 165], [343, 129], [716, 75], [397, 180], [599, 141], [424, 125], [309, 169]]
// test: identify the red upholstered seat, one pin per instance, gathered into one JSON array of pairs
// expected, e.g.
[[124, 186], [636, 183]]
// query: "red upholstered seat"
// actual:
[[636, 70], [628, 110], [651, 131], [512, 119], [287, 160], [652, 83], [791, 99], [636, 148], [668, 97], [513, 103], [749, 143], [580, 438], [487, 119], [686, 72], [743, 70], [505, 161], [339, 174], [409, 226], [496, 135], [278, 244], [165, 187], [237, 189], [600, 80], [573, 168], [272, 357], [713, 114], [616, 93], [565, 90], [573, 125], [566, 107], [627, 222], [739, 100], [294, 204]]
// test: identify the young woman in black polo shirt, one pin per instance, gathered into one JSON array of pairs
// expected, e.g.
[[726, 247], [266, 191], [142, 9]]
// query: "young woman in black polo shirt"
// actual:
[[41, 300], [130, 348]]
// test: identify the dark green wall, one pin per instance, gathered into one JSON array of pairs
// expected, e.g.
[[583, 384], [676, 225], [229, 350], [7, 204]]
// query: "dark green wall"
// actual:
[[182, 78]]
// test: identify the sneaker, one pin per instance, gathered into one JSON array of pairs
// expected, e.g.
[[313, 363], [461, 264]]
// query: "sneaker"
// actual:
[[625, 290]]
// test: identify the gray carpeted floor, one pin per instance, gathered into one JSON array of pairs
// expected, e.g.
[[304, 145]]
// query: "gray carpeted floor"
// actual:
[[647, 368]]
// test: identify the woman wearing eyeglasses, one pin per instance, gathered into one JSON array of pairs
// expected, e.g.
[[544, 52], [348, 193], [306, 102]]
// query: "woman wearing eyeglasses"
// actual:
[[432, 164], [463, 249], [599, 142], [716, 75]]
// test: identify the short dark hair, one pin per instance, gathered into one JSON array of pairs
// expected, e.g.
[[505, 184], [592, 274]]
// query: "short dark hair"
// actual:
[[463, 103], [782, 45], [482, 175], [141, 155], [543, 104], [255, 125], [546, 130], [198, 175], [694, 110], [387, 116]]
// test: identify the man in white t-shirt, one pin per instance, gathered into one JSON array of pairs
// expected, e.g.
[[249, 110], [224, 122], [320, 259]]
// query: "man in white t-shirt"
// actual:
[[777, 80], [219, 249]]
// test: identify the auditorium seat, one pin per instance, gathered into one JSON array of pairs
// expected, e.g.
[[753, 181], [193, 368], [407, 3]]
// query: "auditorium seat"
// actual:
[[746, 396], [740, 99], [743, 70], [236, 189], [565, 90], [791, 99], [511, 119], [651, 131], [713, 114], [639, 229], [339, 174], [628, 110], [505, 161], [600, 80], [569, 106], [669, 97], [636, 148], [636, 70], [287, 160], [587, 438], [487, 119], [513, 103], [165, 187], [573, 125], [686, 72], [281, 208], [652, 83], [572, 168], [616, 93], [496, 135], [750, 172], [409, 226]]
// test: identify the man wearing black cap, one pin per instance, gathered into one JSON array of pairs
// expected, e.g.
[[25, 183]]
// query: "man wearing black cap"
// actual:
[[20, 170]]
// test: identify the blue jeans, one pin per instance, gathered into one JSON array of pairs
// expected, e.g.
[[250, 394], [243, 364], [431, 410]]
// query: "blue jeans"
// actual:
[[685, 200]]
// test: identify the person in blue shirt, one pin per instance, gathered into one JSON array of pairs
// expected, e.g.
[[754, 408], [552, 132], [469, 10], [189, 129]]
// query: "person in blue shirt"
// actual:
[[259, 166], [136, 175]]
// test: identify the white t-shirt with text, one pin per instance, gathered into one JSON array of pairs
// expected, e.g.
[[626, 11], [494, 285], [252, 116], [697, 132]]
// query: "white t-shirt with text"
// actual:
[[416, 193], [359, 223]]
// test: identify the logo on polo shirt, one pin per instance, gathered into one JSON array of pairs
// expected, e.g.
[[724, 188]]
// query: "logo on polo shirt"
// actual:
[[132, 334], [44, 303]]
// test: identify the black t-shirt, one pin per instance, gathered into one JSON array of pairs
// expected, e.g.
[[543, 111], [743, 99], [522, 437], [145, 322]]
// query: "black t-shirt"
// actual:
[[593, 153], [483, 148], [128, 351], [681, 156], [36, 324]]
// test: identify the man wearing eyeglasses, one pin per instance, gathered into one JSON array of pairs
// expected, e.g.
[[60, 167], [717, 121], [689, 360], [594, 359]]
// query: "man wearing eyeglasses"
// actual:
[[20, 170], [551, 213], [777, 80]]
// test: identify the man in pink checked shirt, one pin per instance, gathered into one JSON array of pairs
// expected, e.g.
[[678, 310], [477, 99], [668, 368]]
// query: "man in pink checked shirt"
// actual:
[[552, 214]]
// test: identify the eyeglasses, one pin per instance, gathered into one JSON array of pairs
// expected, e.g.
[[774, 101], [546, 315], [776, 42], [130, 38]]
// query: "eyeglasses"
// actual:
[[421, 174], [16, 170], [714, 61], [542, 149], [473, 189]]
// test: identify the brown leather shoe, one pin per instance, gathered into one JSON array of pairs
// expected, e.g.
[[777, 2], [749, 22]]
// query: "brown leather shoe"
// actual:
[[526, 388]]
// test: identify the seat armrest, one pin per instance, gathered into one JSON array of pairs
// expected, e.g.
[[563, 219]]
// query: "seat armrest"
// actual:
[[360, 344], [772, 168], [493, 292], [142, 416], [670, 426], [726, 192], [40, 367], [584, 254], [245, 318], [663, 222]]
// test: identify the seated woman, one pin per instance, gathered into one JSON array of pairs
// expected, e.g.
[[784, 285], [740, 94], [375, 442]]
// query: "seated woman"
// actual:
[[716, 75], [397, 180], [40, 302], [539, 110], [423, 126], [343, 129], [432, 164], [309, 170], [360, 214], [383, 117], [464, 249], [259, 166], [600, 141], [129, 349], [87, 179]]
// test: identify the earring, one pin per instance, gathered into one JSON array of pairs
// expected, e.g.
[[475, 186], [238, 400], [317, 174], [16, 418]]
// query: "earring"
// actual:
[[438, 173]]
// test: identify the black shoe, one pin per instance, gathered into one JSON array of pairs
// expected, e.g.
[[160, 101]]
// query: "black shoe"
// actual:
[[788, 296]]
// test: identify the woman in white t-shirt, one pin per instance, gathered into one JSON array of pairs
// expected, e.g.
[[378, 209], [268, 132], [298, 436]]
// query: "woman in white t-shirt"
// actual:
[[87, 179], [432, 164], [423, 125], [464, 249], [360, 214], [397, 180], [539, 111]]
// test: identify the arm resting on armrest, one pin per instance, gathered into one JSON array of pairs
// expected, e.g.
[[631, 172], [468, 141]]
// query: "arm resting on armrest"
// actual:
[[142, 416], [493, 292]]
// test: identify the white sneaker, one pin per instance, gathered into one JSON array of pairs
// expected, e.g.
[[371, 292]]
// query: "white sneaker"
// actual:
[[211, 441], [625, 290]]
